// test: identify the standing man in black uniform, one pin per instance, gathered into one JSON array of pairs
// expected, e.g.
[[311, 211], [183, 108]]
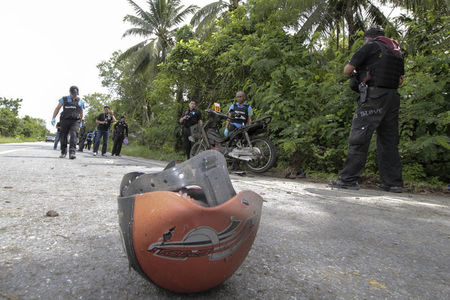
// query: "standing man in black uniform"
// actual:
[[70, 118], [58, 135], [380, 67], [90, 138], [120, 133], [190, 117], [82, 135]]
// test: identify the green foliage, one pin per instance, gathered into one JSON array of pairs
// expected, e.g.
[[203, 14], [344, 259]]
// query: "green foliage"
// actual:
[[32, 127], [425, 109], [13, 126], [9, 122], [12, 104], [301, 85]]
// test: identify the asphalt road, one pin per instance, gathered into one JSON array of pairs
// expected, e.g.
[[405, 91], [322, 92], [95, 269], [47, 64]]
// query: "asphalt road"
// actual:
[[313, 242]]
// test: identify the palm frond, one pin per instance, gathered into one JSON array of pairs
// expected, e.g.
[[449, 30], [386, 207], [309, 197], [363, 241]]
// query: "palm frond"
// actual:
[[136, 31], [179, 17], [316, 17], [138, 22], [139, 11], [146, 58], [212, 9], [131, 51]]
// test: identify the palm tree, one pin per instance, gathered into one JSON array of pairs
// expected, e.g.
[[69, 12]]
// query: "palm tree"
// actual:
[[351, 16], [205, 19], [158, 26], [342, 16]]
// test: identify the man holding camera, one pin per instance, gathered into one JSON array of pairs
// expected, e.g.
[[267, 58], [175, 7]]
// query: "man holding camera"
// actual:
[[190, 117], [104, 121]]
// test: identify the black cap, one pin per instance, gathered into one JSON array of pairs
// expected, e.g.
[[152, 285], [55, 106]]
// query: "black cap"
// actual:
[[74, 90], [373, 32], [106, 106], [122, 117]]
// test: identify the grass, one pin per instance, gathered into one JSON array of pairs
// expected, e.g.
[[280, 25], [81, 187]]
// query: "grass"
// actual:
[[7, 140], [163, 154], [166, 153]]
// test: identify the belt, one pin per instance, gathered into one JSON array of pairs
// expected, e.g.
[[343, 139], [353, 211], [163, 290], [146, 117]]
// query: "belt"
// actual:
[[372, 88]]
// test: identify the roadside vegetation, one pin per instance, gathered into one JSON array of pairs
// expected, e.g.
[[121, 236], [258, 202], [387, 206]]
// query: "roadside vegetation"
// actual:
[[14, 129], [288, 56]]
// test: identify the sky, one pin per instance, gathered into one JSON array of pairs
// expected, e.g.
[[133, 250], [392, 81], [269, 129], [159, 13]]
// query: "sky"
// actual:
[[49, 45]]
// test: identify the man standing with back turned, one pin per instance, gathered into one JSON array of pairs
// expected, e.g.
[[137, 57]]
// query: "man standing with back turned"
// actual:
[[380, 67], [70, 118]]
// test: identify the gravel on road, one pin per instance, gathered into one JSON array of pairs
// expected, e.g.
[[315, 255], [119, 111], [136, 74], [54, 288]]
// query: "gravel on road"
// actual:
[[313, 242]]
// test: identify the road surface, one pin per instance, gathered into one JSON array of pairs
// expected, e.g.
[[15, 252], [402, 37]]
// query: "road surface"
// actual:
[[313, 242]]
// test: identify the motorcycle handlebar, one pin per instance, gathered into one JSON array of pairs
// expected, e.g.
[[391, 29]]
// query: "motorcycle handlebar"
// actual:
[[263, 119], [221, 115]]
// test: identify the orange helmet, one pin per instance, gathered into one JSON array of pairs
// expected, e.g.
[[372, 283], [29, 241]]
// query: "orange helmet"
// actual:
[[185, 228]]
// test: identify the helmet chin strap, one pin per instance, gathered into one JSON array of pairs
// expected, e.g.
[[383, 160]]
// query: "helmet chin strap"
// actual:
[[207, 170]]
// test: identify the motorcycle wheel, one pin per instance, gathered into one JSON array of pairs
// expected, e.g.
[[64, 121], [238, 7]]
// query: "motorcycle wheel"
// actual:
[[267, 157], [198, 147]]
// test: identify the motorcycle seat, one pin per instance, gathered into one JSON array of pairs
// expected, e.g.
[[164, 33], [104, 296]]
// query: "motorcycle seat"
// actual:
[[222, 139]]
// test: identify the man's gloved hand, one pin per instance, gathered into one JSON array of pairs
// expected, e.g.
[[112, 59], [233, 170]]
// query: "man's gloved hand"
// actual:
[[53, 121], [226, 132]]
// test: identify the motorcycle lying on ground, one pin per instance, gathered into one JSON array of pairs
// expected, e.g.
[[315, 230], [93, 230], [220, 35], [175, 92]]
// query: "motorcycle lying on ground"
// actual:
[[243, 144]]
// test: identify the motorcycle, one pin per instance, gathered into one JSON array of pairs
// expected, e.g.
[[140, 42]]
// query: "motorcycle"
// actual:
[[245, 143]]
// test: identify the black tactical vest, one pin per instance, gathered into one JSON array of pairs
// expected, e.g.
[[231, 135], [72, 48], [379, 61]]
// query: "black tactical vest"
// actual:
[[120, 128], [239, 114], [71, 110], [387, 70]]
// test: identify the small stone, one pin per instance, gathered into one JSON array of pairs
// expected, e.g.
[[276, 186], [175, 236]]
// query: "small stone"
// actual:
[[52, 213]]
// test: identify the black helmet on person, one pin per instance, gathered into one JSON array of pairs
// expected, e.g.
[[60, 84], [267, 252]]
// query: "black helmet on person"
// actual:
[[74, 90], [373, 32]]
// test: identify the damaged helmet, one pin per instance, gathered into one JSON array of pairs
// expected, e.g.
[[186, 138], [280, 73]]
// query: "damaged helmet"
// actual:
[[185, 228]]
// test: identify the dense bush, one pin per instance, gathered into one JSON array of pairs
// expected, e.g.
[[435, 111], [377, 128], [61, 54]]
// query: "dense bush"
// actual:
[[11, 125], [302, 86]]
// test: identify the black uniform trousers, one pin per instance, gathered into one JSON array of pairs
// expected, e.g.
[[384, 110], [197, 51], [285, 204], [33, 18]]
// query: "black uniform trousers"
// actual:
[[81, 143], [186, 141], [379, 113], [117, 147], [69, 128]]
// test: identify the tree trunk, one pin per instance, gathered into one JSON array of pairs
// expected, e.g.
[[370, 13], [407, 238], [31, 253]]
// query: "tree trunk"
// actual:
[[179, 98], [234, 4], [337, 38], [350, 23]]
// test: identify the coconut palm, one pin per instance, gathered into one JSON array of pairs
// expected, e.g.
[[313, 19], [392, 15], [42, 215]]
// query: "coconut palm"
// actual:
[[342, 16], [351, 16], [205, 18], [157, 26]]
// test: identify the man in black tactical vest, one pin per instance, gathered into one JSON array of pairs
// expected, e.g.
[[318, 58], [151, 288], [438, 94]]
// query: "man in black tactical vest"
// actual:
[[191, 116], [82, 136], [120, 133], [70, 118], [379, 65]]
